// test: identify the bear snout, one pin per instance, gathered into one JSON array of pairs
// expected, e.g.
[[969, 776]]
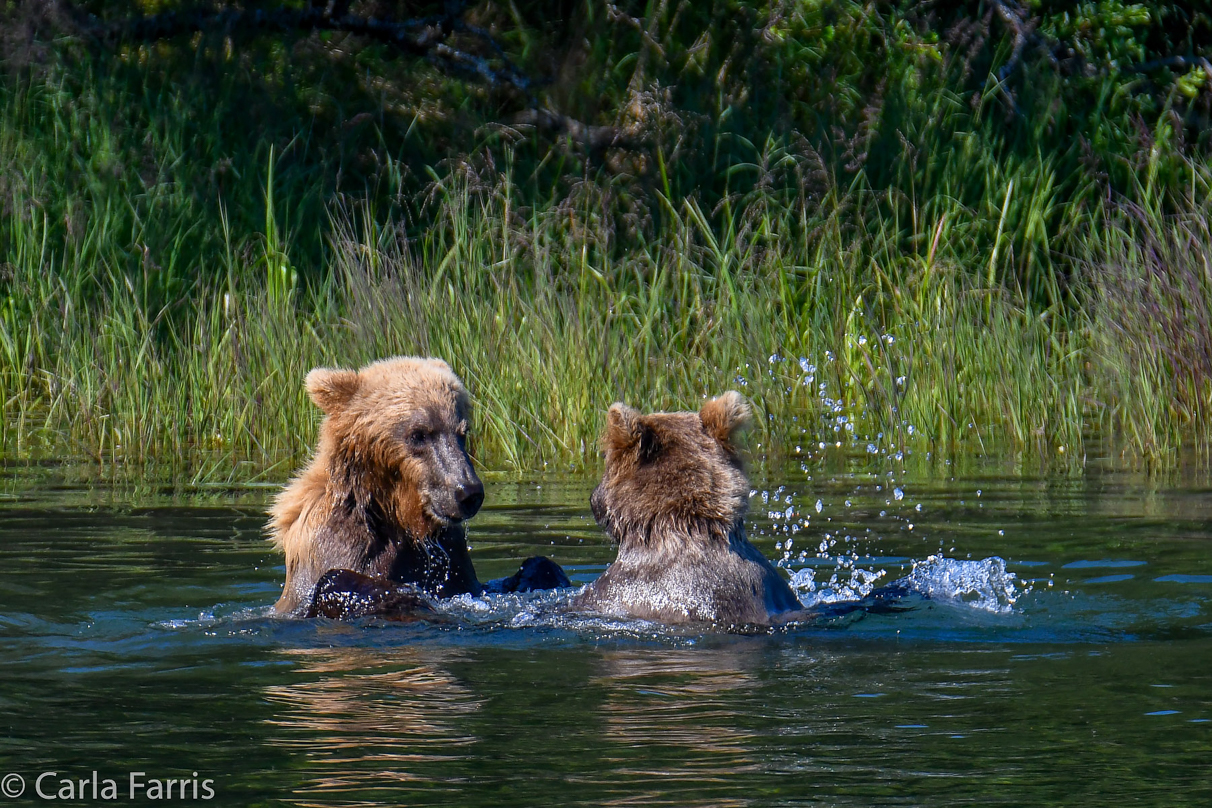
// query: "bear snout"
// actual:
[[470, 496], [597, 504], [455, 491]]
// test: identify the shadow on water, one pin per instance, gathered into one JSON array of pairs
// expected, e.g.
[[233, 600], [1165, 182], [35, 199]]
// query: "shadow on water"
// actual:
[[1055, 648]]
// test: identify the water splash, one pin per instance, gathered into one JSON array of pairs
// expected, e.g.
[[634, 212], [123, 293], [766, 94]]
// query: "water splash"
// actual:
[[838, 589], [513, 610], [984, 584], [218, 615]]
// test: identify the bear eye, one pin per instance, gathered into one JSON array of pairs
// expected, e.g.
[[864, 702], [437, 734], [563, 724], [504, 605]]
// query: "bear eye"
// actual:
[[416, 437]]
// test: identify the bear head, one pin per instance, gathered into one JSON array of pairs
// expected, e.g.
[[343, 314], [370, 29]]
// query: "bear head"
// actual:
[[394, 437], [673, 476]]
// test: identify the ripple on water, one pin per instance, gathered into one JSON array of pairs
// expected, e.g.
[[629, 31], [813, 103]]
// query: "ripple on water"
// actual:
[[1106, 563]]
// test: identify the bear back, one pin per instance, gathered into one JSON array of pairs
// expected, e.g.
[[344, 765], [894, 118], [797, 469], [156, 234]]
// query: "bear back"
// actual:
[[673, 496]]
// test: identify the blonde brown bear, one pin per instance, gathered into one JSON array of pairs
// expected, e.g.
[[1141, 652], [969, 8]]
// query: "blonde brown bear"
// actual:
[[389, 487]]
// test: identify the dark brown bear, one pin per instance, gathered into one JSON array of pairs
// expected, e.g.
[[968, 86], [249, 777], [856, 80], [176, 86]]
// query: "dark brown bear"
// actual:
[[389, 487], [674, 497]]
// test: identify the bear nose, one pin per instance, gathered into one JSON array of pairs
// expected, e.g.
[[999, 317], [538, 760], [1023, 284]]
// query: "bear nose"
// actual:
[[470, 497]]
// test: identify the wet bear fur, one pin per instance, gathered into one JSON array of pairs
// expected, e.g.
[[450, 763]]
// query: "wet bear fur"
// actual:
[[345, 595], [389, 486], [674, 496]]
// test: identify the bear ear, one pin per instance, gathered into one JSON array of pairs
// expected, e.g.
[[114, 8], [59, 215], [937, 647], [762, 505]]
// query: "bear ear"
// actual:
[[331, 390], [725, 415], [625, 430], [622, 426]]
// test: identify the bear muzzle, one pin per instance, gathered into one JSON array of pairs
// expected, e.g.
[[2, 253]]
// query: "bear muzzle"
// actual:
[[470, 496], [456, 493]]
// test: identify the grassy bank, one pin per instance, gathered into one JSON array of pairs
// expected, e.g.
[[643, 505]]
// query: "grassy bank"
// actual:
[[844, 213], [848, 320]]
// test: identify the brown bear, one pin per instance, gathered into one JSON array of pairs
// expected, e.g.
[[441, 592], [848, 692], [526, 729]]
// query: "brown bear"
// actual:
[[673, 496], [389, 487]]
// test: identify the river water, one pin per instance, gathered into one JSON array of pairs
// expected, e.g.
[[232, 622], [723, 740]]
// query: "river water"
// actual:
[[1056, 650]]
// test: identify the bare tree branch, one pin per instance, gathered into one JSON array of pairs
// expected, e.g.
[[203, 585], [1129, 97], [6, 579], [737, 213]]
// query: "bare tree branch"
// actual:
[[434, 38], [1021, 27], [594, 138], [422, 36]]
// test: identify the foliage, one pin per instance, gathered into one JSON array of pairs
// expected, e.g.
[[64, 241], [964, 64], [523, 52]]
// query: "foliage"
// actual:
[[842, 338], [1013, 192]]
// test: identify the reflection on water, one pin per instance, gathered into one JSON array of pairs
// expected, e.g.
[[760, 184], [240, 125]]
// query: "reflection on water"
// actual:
[[365, 717], [1079, 672], [674, 720]]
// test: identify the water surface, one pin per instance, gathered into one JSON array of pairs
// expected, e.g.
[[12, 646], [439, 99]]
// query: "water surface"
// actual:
[[135, 638]]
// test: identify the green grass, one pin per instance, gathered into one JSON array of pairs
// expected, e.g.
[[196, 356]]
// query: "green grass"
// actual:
[[549, 322], [167, 280]]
